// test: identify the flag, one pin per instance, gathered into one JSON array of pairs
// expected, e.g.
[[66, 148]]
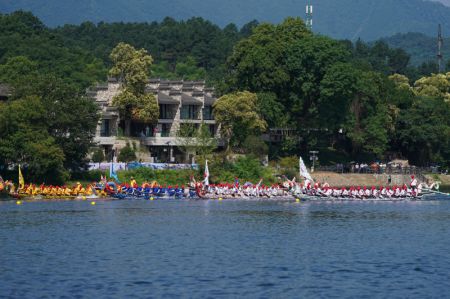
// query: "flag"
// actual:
[[259, 183], [112, 173], [206, 180], [304, 171], [21, 180]]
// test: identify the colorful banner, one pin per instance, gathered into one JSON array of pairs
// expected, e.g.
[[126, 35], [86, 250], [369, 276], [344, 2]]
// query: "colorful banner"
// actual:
[[134, 165]]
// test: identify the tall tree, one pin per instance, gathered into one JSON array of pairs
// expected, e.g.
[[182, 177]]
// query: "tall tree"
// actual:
[[132, 68], [70, 118], [424, 131], [197, 141], [436, 85], [24, 139], [238, 117]]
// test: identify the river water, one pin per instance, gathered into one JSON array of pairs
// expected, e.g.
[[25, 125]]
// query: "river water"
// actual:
[[137, 249]]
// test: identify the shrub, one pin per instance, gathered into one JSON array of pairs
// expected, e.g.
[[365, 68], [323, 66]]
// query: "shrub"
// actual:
[[127, 154], [98, 156]]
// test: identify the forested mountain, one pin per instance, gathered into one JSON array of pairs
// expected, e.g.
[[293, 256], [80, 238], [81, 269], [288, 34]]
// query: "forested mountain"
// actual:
[[193, 49], [421, 47], [368, 19]]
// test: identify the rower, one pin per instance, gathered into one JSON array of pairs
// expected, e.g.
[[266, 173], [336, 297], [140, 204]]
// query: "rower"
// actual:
[[413, 183], [133, 183]]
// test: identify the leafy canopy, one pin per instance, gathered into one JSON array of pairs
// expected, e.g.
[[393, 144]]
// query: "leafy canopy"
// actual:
[[132, 67], [237, 114]]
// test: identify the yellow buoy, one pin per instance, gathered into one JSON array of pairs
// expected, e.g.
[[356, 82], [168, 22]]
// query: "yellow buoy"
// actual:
[[151, 198], [220, 198], [19, 202], [93, 203], [297, 200], [83, 198]]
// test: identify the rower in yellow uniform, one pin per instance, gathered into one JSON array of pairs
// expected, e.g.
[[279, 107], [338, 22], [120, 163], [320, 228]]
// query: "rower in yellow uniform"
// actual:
[[133, 183], [89, 191], [67, 191]]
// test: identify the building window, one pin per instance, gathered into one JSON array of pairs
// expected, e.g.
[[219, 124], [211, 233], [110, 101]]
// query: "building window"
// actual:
[[208, 113], [189, 112], [105, 131], [165, 130], [166, 112]]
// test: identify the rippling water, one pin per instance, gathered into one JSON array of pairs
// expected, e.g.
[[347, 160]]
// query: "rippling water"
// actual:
[[134, 249]]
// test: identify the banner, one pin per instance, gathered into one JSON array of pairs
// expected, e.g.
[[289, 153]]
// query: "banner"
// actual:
[[134, 165]]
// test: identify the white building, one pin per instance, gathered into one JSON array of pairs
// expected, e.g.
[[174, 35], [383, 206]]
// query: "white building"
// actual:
[[180, 103]]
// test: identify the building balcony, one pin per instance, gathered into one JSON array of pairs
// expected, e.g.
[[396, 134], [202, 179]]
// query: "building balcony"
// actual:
[[148, 141], [105, 140], [165, 121]]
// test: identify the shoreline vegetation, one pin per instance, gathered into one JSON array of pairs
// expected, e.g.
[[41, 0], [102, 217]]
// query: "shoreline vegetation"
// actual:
[[349, 101]]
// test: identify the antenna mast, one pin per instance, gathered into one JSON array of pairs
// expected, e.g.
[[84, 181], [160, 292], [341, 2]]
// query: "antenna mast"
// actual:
[[440, 56], [309, 15]]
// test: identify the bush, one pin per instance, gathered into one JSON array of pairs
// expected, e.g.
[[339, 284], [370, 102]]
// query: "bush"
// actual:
[[127, 154], [168, 177], [98, 156], [246, 168], [289, 166]]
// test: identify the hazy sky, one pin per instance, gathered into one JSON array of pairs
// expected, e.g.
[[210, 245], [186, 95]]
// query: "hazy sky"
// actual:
[[447, 2]]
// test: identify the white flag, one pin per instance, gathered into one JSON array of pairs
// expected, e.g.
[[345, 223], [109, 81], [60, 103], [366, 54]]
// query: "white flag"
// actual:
[[304, 171], [206, 180]]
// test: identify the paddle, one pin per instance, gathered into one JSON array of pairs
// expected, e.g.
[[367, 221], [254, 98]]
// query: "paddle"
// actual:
[[436, 192]]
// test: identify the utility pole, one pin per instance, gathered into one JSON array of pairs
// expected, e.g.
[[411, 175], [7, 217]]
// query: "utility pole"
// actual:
[[440, 56], [309, 15], [314, 158]]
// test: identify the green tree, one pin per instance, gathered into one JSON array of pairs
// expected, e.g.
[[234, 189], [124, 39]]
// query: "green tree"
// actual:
[[254, 145], [25, 36], [273, 112], [188, 70], [400, 81], [16, 68], [237, 114], [70, 118], [436, 85], [258, 63], [24, 139], [196, 141], [98, 156], [423, 131], [132, 67]]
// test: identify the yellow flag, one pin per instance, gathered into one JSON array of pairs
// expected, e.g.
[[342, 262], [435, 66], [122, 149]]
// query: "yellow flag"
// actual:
[[21, 180]]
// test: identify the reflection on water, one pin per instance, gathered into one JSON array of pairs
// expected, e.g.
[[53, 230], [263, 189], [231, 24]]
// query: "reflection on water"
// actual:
[[228, 249]]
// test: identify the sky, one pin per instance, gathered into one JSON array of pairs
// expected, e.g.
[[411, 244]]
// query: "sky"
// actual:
[[446, 2]]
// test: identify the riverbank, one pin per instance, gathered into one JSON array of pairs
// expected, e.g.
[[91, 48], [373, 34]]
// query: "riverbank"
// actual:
[[358, 179]]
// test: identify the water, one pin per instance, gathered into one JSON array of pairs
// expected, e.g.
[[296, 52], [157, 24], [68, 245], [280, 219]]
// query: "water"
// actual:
[[133, 249]]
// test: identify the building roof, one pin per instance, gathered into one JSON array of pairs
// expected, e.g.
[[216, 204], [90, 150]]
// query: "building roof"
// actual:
[[209, 101], [165, 99], [188, 100]]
